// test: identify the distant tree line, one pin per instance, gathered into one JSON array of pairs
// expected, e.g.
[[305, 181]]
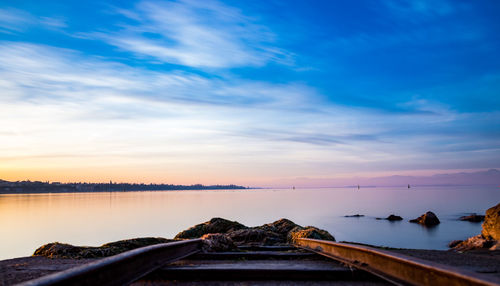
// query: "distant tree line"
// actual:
[[56, 187]]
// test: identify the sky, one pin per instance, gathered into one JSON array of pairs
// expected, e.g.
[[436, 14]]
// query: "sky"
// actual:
[[247, 92]]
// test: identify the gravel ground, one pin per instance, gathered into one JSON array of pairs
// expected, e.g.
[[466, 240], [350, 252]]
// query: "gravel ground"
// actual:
[[17, 270], [25, 268], [480, 261]]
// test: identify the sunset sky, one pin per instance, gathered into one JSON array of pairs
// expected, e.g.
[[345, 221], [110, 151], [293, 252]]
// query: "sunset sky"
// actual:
[[247, 92]]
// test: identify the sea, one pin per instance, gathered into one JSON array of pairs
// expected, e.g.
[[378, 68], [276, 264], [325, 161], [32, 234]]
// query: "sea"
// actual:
[[28, 221]]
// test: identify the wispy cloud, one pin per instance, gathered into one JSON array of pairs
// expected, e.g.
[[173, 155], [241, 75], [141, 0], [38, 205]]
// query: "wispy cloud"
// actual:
[[201, 34], [14, 20], [49, 73]]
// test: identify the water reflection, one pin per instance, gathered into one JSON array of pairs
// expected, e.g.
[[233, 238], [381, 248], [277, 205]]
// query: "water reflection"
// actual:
[[29, 221]]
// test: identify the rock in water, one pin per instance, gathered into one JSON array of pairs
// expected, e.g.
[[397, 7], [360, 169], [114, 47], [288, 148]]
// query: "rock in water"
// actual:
[[427, 219], [491, 224], [308, 232], [472, 218], [214, 242], [215, 225], [391, 217]]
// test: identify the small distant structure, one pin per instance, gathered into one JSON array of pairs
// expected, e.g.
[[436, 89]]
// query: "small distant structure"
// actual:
[[408, 186], [358, 187], [293, 188]]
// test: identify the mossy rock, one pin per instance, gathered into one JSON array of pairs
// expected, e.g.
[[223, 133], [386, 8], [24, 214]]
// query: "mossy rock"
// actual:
[[257, 236], [281, 226], [308, 232], [59, 250], [63, 250], [215, 225], [216, 242]]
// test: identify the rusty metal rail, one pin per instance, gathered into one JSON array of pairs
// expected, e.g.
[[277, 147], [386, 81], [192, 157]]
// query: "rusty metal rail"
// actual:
[[123, 268], [395, 268]]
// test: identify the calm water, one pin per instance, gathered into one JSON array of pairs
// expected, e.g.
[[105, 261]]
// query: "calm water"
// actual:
[[28, 221]]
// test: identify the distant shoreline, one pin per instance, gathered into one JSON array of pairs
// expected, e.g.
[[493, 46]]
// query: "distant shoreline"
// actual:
[[117, 191], [37, 187]]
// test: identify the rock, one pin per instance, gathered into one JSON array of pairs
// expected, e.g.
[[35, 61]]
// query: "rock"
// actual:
[[281, 226], [394, 217], [491, 224], [129, 244], [391, 217], [427, 219], [490, 234], [356, 215], [62, 250], [215, 225], [58, 250], [256, 236], [308, 232], [454, 243], [472, 218], [475, 242], [214, 242]]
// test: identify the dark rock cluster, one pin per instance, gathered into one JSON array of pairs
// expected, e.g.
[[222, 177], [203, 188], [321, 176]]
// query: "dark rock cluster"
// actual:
[[280, 232], [217, 234], [215, 225]]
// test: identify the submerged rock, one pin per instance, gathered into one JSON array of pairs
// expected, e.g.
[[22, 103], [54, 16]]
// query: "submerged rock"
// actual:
[[472, 218], [391, 217], [62, 250], [215, 225], [427, 219], [308, 232], [214, 242], [356, 215], [491, 224]]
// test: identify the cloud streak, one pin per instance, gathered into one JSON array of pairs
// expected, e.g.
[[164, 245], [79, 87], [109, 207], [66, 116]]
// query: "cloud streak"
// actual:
[[206, 34], [14, 21]]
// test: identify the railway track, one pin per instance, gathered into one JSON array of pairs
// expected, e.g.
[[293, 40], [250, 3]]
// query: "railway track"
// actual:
[[309, 262]]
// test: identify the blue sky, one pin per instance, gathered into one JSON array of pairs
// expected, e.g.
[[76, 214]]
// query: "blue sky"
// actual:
[[248, 92]]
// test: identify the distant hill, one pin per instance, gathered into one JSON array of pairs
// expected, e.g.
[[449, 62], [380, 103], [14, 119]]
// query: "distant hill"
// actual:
[[489, 177]]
